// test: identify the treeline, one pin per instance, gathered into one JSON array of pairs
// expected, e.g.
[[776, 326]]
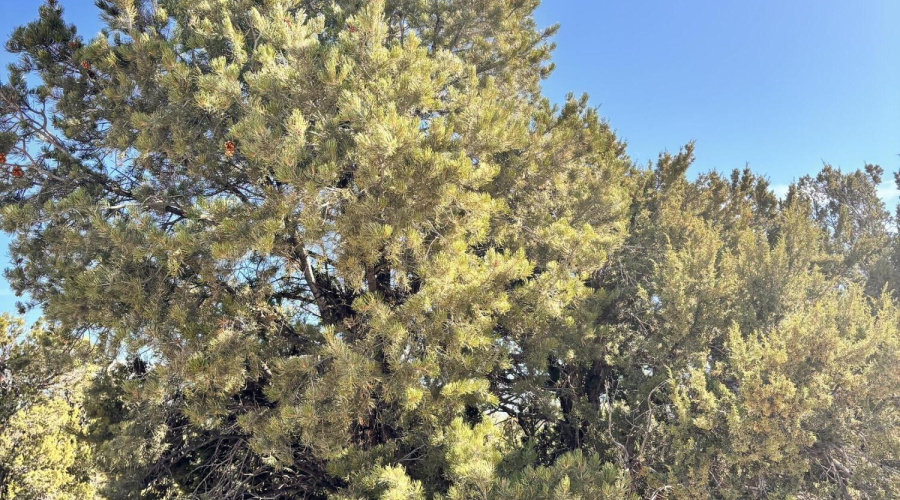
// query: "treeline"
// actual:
[[347, 250]]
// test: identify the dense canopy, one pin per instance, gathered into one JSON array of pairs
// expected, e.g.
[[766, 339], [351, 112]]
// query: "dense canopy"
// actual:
[[347, 250]]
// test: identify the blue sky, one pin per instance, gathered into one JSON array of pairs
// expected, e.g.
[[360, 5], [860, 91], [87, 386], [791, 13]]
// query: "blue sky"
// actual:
[[780, 85]]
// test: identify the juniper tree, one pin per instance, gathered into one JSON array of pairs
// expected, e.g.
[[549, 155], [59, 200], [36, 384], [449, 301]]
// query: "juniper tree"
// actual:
[[41, 418], [742, 357]]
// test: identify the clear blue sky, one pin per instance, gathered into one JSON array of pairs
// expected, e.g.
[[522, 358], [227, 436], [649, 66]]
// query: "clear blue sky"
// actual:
[[781, 85]]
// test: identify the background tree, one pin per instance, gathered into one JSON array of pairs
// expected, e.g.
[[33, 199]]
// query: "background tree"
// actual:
[[41, 420]]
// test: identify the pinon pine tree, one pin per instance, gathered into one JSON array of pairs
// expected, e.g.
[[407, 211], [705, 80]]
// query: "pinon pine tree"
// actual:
[[313, 241]]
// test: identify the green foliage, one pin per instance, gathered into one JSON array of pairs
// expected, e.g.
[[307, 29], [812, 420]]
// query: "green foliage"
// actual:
[[573, 476], [41, 456], [348, 250], [41, 422]]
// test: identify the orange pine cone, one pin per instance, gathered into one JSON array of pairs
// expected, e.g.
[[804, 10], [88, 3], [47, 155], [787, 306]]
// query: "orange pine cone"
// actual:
[[17, 171], [2, 158], [85, 65], [229, 149]]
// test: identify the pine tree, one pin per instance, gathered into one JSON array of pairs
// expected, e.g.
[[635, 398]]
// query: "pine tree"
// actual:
[[315, 231]]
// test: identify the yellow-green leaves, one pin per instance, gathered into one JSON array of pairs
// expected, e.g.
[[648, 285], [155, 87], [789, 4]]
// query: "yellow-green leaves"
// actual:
[[219, 89], [42, 454]]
